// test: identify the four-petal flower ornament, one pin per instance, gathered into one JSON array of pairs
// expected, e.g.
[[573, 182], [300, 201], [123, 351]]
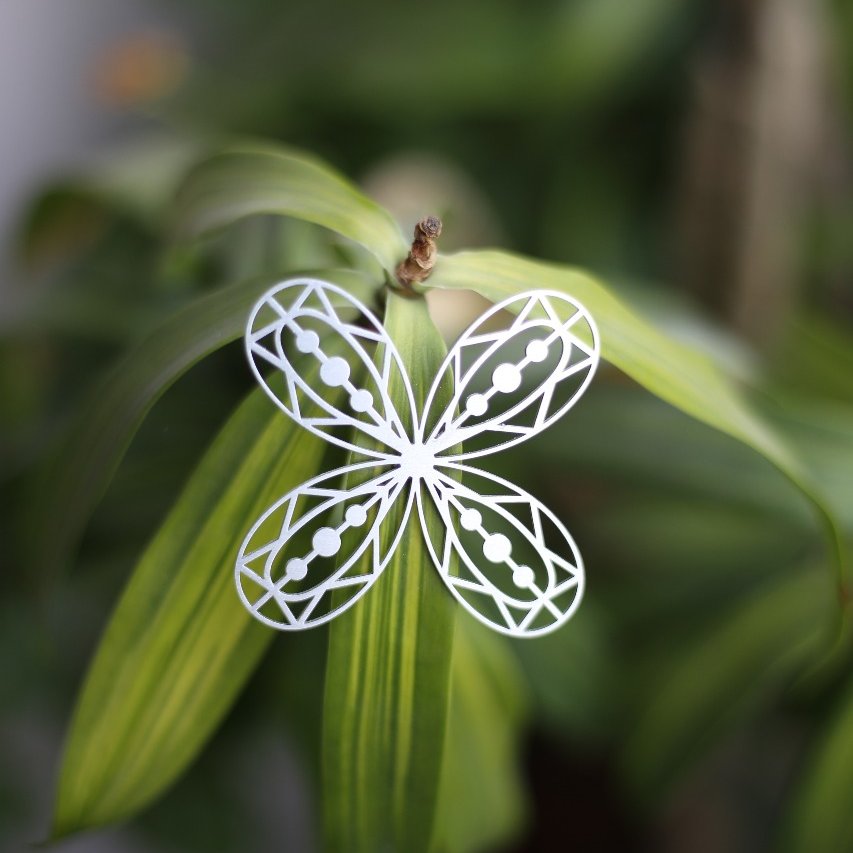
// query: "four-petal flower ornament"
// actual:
[[326, 360]]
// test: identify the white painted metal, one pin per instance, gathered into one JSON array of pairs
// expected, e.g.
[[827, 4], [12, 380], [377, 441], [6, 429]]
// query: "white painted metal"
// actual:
[[508, 385]]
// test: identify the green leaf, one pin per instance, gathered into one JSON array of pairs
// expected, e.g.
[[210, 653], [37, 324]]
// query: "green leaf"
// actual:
[[815, 358], [822, 820], [388, 669], [179, 645], [712, 683], [77, 476], [481, 802], [670, 453], [672, 371], [821, 431], [254, 179]]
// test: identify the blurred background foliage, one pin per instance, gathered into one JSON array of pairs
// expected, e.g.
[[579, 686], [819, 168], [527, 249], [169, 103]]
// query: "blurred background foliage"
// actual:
[[697, 157]]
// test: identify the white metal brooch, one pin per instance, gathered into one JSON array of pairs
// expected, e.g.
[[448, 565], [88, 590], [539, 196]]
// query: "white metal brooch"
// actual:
[[504, 556]]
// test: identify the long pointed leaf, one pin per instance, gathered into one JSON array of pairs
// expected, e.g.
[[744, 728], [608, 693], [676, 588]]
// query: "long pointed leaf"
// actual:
[[179, 645], [76, 479], [674, 372], [254, 179], [388, 669], [481, 803]]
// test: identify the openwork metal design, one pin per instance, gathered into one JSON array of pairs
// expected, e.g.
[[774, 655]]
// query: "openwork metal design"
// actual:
[[505, 557]]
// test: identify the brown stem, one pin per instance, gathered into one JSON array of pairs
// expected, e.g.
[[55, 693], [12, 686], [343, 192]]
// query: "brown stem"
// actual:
[[421, 258]]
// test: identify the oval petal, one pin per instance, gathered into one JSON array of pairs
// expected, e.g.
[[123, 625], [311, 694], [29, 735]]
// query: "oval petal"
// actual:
[[302, 316], [510, 383], [506, 558], [307, 546]]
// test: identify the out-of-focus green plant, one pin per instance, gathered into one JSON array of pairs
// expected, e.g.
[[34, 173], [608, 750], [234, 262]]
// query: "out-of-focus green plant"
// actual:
[[132, 440], [179, 647]]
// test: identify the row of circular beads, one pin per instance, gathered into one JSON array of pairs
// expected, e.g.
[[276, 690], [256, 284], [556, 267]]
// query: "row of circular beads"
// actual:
[[506, 378], [334, 371], [496, 547], [326, 543]]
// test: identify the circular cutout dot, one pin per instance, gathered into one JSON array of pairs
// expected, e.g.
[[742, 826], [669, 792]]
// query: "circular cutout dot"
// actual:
[[537, 351], [523, 576], [335, 371], [355, 515], [476, 405], [326, 542], [470, 519], [506, 378], [497, 548], [307, 341], [296, 569], [361, 400]]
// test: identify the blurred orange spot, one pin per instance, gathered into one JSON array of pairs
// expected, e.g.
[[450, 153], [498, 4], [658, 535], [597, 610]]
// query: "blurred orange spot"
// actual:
[[140, 67]]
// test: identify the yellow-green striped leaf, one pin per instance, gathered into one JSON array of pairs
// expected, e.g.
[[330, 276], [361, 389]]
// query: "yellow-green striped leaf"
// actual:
[[481, 800], [179, 645], [248, 180], [388, 668]]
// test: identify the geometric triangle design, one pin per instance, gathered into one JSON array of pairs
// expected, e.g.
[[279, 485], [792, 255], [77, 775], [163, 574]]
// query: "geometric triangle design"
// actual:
[[502, 554]]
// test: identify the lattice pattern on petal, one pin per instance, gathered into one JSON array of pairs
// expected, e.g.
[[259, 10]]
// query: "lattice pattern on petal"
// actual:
[[511, 383], [302, 316], [307, 546], [506, 557], [503, 555]]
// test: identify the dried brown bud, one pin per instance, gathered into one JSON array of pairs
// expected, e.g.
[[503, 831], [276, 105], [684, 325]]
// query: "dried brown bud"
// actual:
[[421, 257], [429, 227]]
